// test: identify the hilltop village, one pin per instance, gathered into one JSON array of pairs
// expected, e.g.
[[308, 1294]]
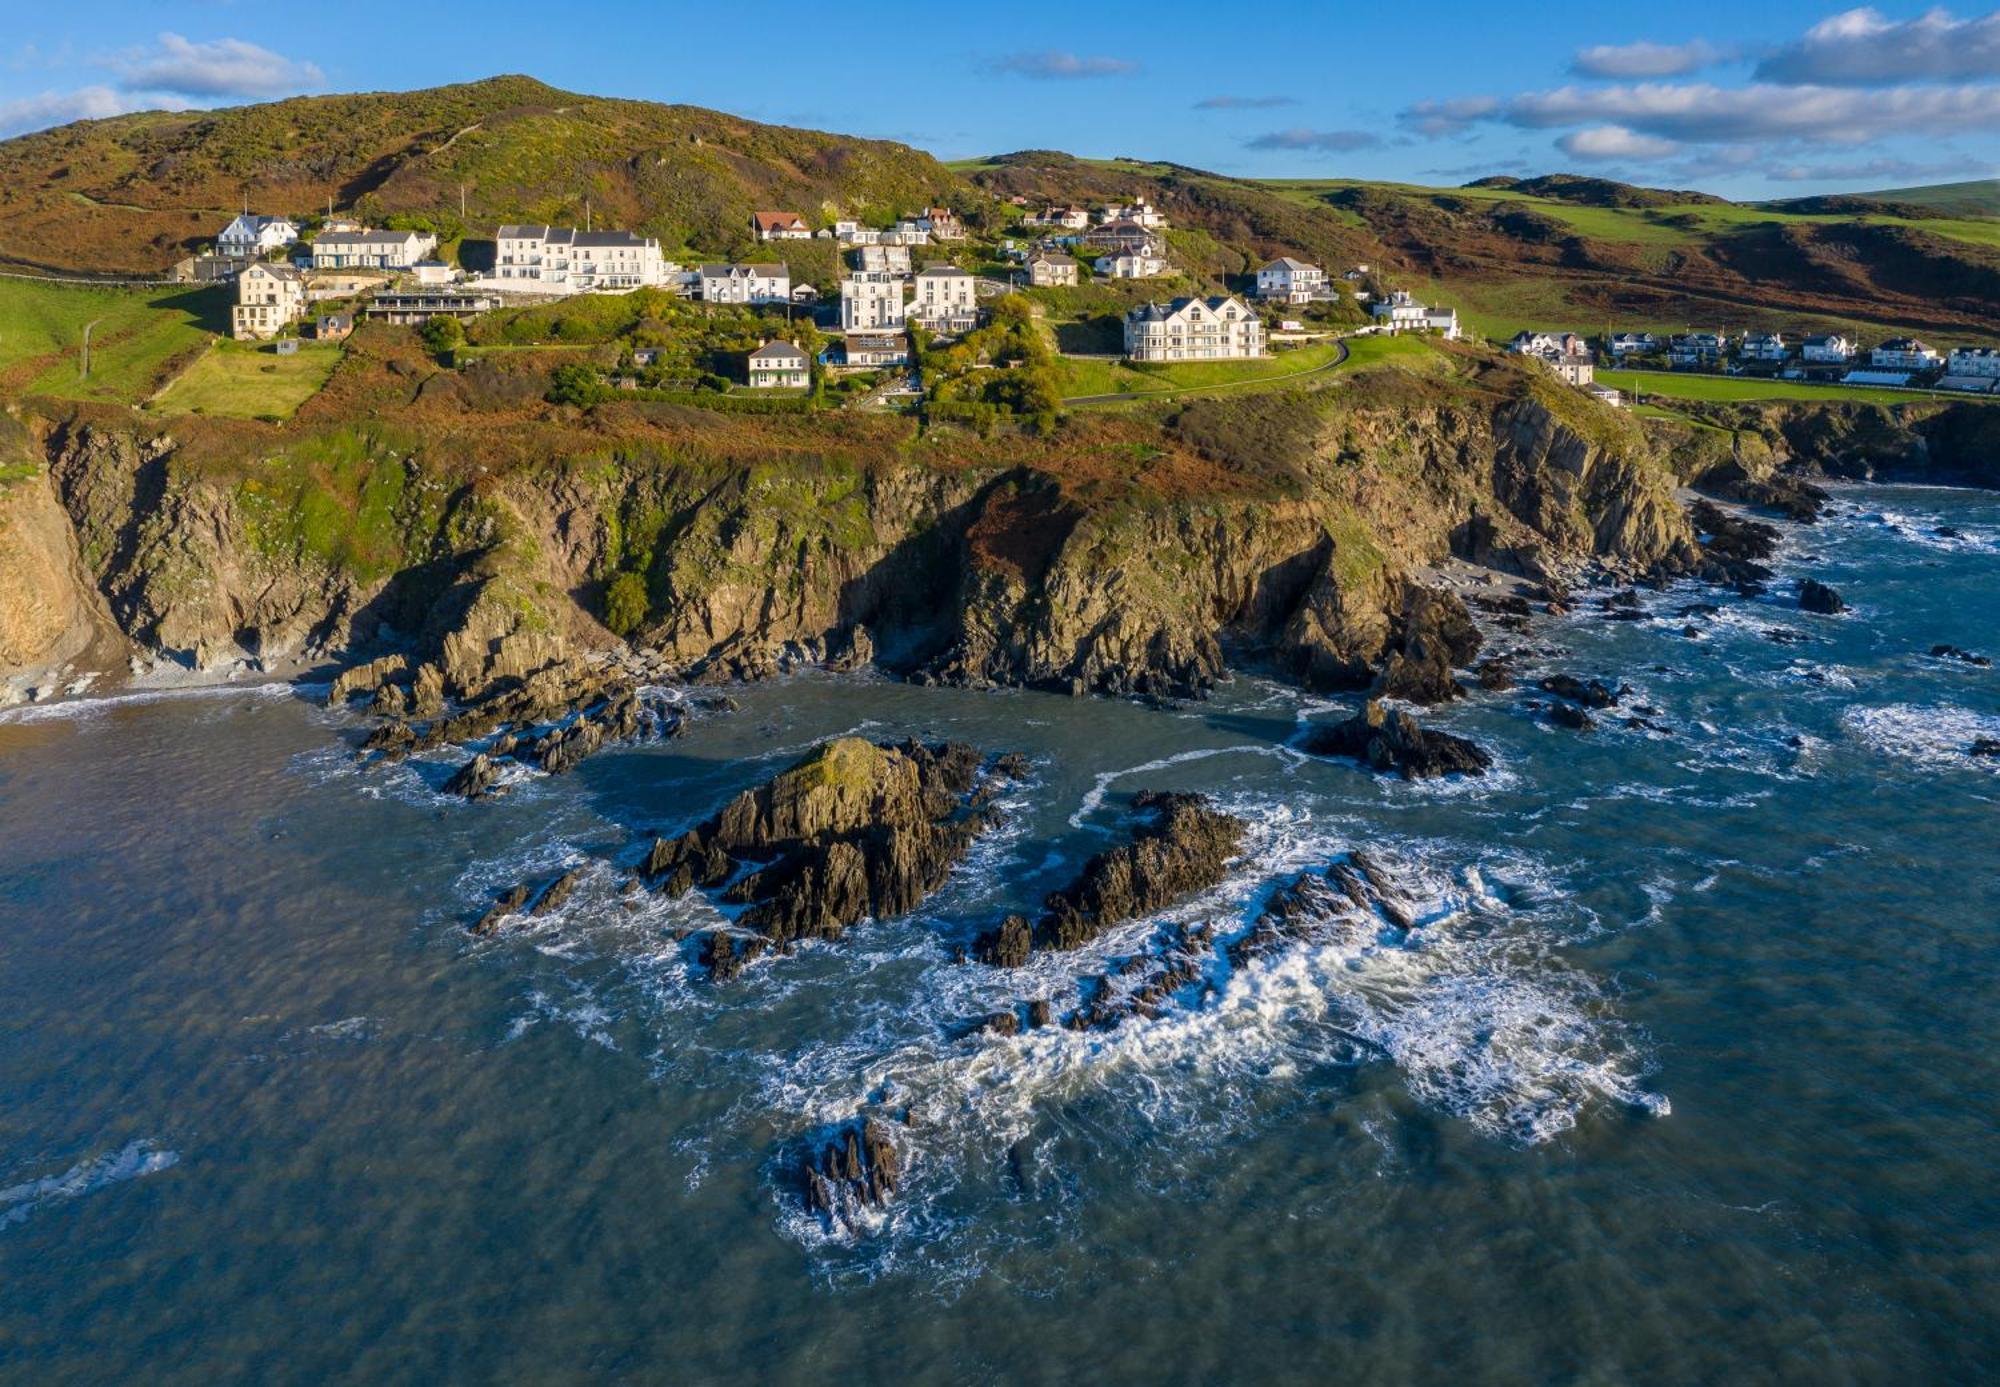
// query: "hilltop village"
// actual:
[[932, 280]]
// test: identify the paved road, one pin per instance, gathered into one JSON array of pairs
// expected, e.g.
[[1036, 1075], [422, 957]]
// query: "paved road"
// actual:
[[1171, 390]]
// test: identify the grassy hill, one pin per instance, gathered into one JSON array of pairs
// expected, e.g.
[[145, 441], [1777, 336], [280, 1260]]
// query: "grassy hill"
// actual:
[[134, 193]]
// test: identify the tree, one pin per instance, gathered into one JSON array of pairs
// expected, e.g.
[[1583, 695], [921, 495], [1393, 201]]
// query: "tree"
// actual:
[[626, 603], [443, 335], [575, 385]]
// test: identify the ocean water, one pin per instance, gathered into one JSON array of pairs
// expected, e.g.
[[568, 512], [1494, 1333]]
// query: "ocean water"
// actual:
[[1685, 1074]]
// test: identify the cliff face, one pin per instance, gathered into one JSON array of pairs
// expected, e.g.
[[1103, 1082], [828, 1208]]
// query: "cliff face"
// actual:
[[1288, 532], [50, 612], [1950, 443]]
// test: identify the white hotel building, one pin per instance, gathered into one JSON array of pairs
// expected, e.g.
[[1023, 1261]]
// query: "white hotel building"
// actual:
[[1193, 330], [563, 260]]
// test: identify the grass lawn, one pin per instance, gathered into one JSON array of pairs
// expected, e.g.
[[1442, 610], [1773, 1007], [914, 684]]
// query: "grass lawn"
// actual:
[[1729, 389], [242, 380], [1085, 378], [137, 337]]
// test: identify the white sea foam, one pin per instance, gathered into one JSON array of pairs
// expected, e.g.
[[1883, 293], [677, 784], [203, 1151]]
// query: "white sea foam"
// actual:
[[82, 708], [1937, 737], [18, 1203]]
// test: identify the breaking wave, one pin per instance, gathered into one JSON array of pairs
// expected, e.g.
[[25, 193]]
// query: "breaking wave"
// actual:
[[135, 1159]]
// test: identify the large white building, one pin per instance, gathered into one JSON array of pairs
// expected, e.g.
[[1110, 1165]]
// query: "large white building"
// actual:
[[563, 260], [1193, 330], [746, 283], [1286, 280], [250, 236], [1904, 354], [893, 260], [872, 301], [1975, 361], [946, 300], [268, 298], [1828, 349], [371, 250]]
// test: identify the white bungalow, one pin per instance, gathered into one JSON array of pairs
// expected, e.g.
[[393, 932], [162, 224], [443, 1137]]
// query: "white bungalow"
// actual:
[[877, 349], [779, 226]]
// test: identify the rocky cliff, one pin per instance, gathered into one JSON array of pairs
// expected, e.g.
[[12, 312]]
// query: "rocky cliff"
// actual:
[[1121, 555]]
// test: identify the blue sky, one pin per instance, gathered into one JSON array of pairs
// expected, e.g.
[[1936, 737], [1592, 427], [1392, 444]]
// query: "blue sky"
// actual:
[[1766, 99]]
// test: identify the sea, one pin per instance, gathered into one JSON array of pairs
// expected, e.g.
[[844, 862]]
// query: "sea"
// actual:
[[1685, 1071]]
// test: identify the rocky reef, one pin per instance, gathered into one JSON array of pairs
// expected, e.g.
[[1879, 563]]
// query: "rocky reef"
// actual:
[[1386, 739]]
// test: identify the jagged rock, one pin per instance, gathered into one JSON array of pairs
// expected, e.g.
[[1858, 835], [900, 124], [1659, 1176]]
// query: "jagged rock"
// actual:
[[850, 649], [1180, 846], [1438, 635], [1392, 740], [1511, 604], [1963, 656], [1592, 693], [1570, 716], [558, 892], [854, 830], [1735, 548], [1815, 596], [1984, 746], [366, 679], [1795, 497], [1040, 1013], [1003, 1023], [858, 1167], [509, 903], [475, 779], [1496, 675], [1008, 946]]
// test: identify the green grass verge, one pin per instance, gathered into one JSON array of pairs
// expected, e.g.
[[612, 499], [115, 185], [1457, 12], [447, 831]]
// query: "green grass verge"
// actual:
[[239, 380], [1085, 378], [137, 336], [1732, 389]]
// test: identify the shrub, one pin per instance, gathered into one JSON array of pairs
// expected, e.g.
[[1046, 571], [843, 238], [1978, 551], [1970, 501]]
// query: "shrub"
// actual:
[[626, 603]]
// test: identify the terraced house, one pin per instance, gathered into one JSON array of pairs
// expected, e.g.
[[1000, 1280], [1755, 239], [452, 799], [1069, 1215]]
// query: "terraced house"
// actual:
[[563, 260], [371, 250], [1189, 329]]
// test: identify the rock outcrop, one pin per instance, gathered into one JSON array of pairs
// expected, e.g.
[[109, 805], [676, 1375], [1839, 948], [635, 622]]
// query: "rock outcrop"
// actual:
[[1386, 739], [857, 1169], [1181, 845], [1817, 597]]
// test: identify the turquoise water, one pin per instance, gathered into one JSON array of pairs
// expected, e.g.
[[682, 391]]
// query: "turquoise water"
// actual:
[[1688, 1074]]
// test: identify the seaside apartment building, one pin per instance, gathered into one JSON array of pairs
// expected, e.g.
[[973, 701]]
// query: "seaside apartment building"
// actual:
[[564, 260], [872, 301], [946, 301], [1191, 329]]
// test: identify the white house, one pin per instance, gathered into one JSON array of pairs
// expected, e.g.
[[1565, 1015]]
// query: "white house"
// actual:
[[1632, 344], [780, 226], [1399, 312], [1145, 262], [942, 223], [1764, 346], [249, 236], [1193, 330], [563, 260], [946, 300], [1535, 344], [1075, 218], [872, 349], [1904, 354], [1698, 348], [745, 283], [779, 366], [1828, 349], [371, 250], [268, 298], [1975, 361], [1048, 269], [1142, 212], [871, 301], [893, 260], [1286, 280]]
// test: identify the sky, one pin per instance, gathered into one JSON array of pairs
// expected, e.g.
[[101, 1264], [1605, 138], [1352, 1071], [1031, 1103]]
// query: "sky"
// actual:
[[1764, 99]]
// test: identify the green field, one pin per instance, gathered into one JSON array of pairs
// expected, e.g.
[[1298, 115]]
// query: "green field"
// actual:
[[137, 336], [242, 380], [1081, 379], [1732, 389]]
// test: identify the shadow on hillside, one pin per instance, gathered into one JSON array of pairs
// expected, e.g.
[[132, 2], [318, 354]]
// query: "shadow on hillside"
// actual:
[[1103, 336]]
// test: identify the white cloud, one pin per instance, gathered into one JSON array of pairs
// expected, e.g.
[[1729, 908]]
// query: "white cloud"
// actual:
[[60, 108], [1880, 170], [1615, 142], [1438, 118], [1627, 61], [1325, 141], [214, 70], [1703, 113], [1054, 64], [1244, 103], [1865, 48]]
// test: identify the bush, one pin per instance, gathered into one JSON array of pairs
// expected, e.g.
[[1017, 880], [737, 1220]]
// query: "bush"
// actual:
[[626, 603], [577, 385]]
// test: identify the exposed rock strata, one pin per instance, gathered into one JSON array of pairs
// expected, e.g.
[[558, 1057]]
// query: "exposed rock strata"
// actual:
[[1386, 739]]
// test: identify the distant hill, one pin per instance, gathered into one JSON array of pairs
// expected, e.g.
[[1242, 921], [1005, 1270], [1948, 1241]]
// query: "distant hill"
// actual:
[[1598, 192], [1976, 199], [136, 192]]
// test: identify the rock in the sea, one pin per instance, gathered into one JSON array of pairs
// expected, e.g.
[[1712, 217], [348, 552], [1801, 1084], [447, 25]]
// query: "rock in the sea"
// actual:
[[1392, 740], [1181, 845], [855, 830], [858, 1168], [1984, 746], [1591, 693], [1815, 596], [1570, 716], [476, 779], [1438, 635], [1961, 655], [508, 903]]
